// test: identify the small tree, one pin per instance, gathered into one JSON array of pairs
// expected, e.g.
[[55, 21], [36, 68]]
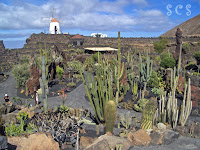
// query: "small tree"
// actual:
[[21, 74], [159, 46], [59, 72]]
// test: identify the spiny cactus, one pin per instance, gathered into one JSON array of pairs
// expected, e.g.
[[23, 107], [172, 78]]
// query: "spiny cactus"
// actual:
[[145, 69], [110, 111], [148, 113], [44, 86]]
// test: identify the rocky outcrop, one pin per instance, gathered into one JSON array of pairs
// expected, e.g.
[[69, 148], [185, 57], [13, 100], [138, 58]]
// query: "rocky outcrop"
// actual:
[[37, 141], [139, 138]]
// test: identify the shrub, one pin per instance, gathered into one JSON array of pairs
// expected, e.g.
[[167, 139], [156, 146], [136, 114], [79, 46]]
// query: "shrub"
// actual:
[[1, 124], [21, 74], [166, 54], [186, 46], [168, 62], [71, 84], [153, 81], [59, 72], [159, 46], [74, 66], [95, 56], [197, 56]]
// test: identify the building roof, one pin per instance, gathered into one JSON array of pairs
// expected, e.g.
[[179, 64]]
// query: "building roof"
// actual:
[[77, 36], [99, 49], [54, 20]]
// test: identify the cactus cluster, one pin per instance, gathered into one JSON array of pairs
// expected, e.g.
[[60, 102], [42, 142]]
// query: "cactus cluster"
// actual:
[[168, 111], [105, 85], [148, 114]]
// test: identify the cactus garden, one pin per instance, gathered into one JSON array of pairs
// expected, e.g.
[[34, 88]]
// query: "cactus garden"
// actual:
[[131, 98]]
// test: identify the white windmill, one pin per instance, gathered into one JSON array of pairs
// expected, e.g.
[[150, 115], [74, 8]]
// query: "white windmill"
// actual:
[[54, 25]]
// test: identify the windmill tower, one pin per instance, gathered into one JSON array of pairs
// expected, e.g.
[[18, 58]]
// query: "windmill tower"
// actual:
[[54, 27], [54, 24]]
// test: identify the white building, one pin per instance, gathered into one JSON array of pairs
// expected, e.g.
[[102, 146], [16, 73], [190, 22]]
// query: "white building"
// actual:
[[101, 35], [54, 27]]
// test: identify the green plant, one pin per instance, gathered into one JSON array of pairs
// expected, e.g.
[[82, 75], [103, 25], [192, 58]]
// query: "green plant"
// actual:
[[17, 100], [44, 85], [186, 46], [140, 105], [110, 111], [153, 81], [148, 113], [21, 74], [31, 128], [197, 56], [125, 122], [159, 46], [74, 66], [157, 91], [145, 69], [14, 130], [96, 56], [59, 72], [168, 62], [165, 54], [71, 84]]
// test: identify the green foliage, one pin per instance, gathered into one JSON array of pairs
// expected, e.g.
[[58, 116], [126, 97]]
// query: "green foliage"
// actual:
[[159, 46], [21, 74], [74, 66], [157, 91], [31, 128], [186, 46], [96, 56], [13, 129], [17, 100], [59, 72], [71, 84], [166, 54], [140, 105], [145, 68], [125, 122], [196, 73], [197, 56], [24, 61], [89, 62], [157, 59], [153, 81], [110, 111], [168, 62], [148, 113]]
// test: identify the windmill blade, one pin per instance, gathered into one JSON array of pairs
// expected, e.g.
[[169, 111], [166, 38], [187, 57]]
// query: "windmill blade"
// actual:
[[45, 20]]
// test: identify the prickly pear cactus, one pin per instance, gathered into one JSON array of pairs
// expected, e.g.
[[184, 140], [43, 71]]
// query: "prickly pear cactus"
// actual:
[[148, 113], [110, 115]]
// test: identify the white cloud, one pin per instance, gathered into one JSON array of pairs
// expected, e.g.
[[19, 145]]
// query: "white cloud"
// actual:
[[86, 15], [140, 2]]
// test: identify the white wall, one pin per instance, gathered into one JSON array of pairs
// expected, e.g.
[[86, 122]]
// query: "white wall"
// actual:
[[52, 28]]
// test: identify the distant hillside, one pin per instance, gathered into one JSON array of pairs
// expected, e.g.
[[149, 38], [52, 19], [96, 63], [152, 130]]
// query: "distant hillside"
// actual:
[[190, 27]]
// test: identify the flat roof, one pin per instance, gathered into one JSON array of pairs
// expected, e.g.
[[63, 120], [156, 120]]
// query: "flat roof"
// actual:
[[101, 49]]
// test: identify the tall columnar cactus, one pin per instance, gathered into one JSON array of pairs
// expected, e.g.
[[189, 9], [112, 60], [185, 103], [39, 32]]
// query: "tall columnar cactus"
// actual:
[[148, 113], [120, 69], [44, 85], [145, 69], [186, 106], [110, 110]]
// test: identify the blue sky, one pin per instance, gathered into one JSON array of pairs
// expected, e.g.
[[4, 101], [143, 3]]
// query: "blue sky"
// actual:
[[134, 18]]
